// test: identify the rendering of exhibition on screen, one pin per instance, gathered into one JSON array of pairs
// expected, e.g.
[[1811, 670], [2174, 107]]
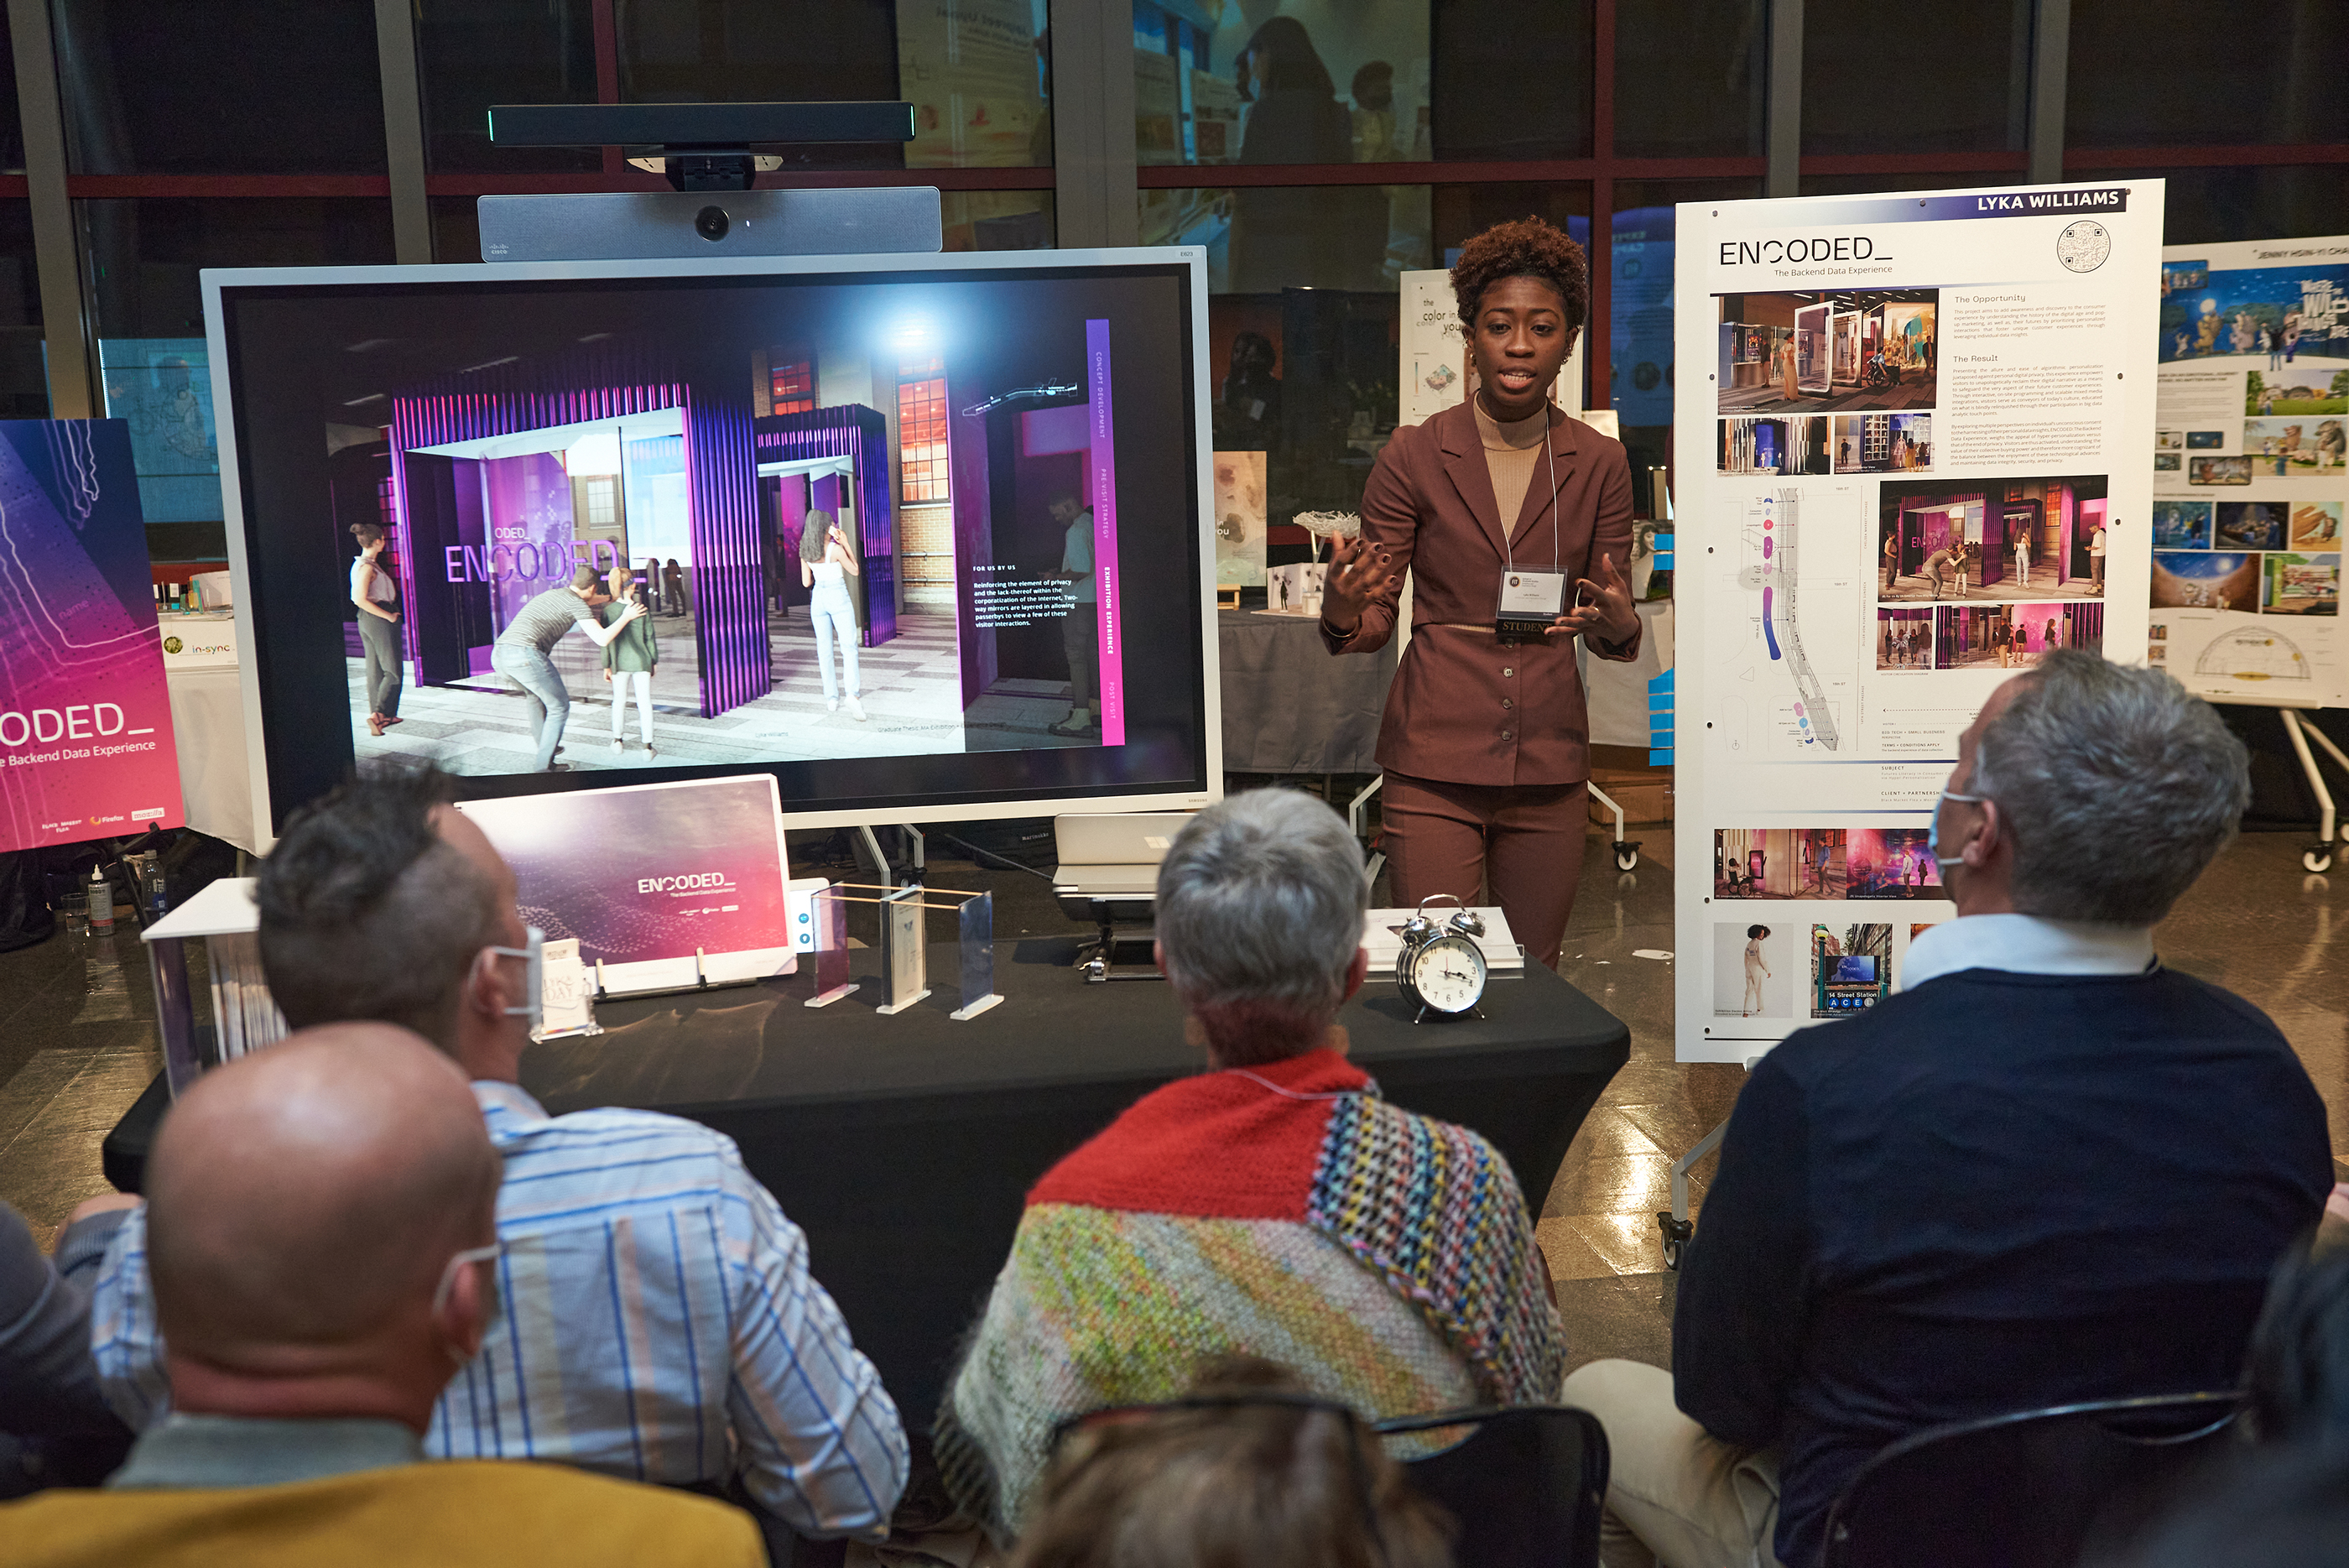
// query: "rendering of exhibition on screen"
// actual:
[[920, 531]]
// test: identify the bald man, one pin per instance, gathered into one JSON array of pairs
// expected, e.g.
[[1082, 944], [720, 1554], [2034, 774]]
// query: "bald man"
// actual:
[[659, 1320], [321, 1230]]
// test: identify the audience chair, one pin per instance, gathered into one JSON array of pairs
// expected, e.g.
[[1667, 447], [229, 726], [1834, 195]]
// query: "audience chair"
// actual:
[[2029, 1491], [1527, 1485]]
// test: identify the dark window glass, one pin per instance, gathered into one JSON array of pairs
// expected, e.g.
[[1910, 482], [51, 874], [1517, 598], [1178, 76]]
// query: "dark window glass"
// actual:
[[1294, 82], [456, 229], [1512, 79], [143, 255], [470, 53], [996, 219], [1947, 77], [199, 87], [2206, 206], [1870, 184], [1641, 371], [1261, 239], [12, 134], [2163, 73], [1303, 315], [1689, 78], [973, 69], [24, 376]]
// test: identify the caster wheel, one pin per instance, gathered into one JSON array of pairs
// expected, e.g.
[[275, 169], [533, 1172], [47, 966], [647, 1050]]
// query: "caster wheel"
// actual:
[[1627, 859], [2318, 860], [1676, 1237]]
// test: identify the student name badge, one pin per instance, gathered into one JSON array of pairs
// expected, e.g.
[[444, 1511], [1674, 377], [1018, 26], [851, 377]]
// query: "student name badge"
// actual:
[[1530, 602]]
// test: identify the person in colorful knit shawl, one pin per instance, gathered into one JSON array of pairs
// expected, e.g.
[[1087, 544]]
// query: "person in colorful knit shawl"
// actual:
[[1274, 1205]]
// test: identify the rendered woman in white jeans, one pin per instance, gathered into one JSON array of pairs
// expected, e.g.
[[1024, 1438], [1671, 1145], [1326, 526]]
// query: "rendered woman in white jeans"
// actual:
[[826, 563]]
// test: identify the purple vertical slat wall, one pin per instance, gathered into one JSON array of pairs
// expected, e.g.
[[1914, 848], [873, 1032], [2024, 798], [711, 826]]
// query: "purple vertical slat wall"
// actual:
[[594, 381], [851, 430], [729, 580]]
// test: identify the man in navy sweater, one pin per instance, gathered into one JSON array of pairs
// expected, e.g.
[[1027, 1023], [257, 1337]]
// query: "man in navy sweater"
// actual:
[[2049, 1170]]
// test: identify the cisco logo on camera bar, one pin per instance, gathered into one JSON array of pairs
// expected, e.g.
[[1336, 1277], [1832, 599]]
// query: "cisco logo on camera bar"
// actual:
[[695, 882]]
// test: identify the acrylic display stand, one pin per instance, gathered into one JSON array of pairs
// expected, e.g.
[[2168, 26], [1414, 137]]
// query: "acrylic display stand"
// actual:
[[223, 918], [904, 947]]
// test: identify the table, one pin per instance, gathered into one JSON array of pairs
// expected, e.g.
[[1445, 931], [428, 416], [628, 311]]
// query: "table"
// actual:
[[903, 1147], [1289, 706]]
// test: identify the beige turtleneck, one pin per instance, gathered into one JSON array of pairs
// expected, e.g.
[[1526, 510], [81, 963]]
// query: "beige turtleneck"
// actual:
[[1510, 452]]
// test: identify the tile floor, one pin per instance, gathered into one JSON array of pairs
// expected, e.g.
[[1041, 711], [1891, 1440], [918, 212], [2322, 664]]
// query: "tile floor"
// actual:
[[78, 1045]]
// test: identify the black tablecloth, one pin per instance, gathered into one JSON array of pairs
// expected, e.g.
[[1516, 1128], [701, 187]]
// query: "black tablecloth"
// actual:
[[1289, 706], [904, 1145]]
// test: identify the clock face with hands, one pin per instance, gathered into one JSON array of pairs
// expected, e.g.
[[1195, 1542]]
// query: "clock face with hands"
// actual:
[[1444, 974]]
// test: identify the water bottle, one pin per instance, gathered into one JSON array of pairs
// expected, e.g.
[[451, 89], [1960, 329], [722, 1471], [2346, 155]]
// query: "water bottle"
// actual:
[[101, 903]]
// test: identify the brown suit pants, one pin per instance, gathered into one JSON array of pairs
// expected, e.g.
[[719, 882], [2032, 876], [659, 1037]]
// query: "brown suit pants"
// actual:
[[1522, 841]]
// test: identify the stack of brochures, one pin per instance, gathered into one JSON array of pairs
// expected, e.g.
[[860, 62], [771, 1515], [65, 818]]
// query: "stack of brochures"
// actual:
[[244, 1017]]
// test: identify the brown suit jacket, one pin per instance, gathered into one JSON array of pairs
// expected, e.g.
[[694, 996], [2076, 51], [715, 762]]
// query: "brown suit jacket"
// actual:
[[1463, 709]]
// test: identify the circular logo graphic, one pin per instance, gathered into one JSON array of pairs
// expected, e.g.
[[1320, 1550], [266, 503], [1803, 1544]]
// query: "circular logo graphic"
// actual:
[[172, 645], [2084, 247], [1513, 582]]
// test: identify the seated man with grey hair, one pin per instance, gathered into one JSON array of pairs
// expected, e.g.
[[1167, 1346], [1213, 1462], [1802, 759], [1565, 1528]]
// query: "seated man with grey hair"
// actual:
[[2050, 1170], [1274, 1205]]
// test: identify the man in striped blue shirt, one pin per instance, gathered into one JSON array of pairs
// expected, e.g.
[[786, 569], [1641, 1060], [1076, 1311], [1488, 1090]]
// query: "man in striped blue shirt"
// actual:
[[658, 1319]]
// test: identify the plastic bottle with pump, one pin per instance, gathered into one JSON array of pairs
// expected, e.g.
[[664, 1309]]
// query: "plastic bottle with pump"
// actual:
[[101, 903]]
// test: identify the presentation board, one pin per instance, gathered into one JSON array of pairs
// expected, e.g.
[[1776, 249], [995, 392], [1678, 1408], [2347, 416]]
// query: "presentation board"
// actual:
[[1930, 414], [2250, 470]]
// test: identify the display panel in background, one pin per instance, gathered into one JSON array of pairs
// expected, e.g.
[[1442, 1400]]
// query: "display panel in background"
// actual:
[[2250, 472], [1932, 413], [920, 536]]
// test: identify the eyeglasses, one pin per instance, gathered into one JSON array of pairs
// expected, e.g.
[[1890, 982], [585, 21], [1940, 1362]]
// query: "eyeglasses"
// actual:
[[463, 1260], [1132, 1415]]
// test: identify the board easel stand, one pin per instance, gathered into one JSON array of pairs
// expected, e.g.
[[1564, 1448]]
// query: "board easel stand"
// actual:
[[2318, 857]]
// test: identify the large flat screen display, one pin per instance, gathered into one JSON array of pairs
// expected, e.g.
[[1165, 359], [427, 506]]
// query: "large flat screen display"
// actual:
[[921, 536]]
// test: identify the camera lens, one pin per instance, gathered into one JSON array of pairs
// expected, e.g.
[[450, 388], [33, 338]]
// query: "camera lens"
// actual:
[[711, 223]]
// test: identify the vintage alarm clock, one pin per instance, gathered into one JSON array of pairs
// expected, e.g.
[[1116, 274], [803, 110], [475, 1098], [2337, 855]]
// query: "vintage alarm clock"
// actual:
[[1440, 967]]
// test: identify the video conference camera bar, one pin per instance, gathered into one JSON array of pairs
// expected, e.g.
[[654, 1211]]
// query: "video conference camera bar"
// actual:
[[705, 150]]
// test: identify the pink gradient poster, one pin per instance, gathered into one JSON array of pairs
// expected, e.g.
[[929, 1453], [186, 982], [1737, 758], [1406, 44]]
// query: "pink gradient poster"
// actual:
[[86, 745]]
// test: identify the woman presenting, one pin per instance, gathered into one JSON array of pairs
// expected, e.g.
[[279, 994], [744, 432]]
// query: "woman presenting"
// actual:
[[1486, 742]]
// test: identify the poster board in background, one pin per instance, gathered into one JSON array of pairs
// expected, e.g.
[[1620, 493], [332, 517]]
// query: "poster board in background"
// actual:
[[2250, 472], [644, 874], [86, 746], [1848, 618], [1239, 518], [1435, 369]]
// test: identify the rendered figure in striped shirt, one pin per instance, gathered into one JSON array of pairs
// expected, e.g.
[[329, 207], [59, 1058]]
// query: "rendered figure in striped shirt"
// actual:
[[658, 1320]]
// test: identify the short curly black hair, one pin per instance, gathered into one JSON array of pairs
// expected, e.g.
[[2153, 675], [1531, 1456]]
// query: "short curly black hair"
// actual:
[[1525, 248]]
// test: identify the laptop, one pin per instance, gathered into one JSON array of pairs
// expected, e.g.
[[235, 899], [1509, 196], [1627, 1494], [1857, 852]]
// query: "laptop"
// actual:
[[1112, 860]]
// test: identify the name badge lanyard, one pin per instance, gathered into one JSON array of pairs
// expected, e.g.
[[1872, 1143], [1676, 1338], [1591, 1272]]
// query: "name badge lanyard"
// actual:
[[1532, 601]]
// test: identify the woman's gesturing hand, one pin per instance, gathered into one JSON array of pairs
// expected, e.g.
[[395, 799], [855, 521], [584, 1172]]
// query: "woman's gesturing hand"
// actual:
[[1359, 572], [1602, 610]]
